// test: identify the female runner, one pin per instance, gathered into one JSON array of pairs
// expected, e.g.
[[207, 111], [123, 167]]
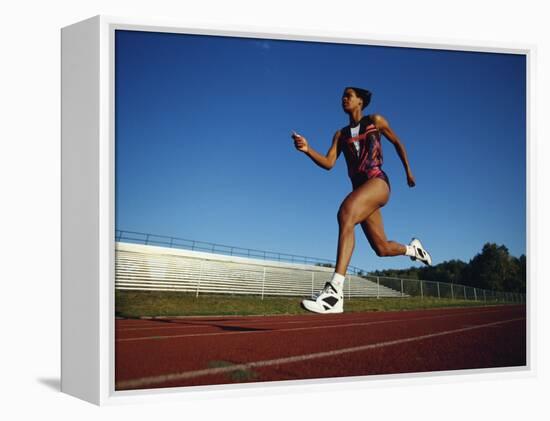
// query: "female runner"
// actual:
[[360, 142]]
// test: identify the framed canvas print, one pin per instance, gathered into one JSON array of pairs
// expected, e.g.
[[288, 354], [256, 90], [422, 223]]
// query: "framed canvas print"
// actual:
[[243, 209]]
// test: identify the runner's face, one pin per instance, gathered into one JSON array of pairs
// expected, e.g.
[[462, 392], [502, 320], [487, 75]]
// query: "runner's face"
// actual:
[[350, 101]]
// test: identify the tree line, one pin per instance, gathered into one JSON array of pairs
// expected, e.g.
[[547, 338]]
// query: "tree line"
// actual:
[[492, 269]]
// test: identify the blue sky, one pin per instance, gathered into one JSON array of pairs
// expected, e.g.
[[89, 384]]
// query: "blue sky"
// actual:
[[203, 147]]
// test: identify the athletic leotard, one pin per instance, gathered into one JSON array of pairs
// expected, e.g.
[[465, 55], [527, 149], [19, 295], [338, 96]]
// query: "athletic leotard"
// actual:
[[363, 152]]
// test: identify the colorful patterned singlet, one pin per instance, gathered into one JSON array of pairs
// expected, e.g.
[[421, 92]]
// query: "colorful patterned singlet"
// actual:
[[363, 152]]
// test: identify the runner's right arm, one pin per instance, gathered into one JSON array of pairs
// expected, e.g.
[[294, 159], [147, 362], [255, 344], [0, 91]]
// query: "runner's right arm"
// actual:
[[324, 161]]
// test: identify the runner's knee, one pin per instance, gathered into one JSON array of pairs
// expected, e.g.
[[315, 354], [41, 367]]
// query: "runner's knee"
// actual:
[[345, 217]]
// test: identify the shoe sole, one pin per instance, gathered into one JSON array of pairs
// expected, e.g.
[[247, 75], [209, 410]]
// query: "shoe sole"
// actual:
[[331, 311]]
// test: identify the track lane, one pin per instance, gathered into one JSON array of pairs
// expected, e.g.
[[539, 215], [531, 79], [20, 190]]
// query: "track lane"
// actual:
[[465, 348], [174, 327]]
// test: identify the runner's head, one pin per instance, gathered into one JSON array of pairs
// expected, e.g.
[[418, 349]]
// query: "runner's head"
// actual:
[[355, 97]]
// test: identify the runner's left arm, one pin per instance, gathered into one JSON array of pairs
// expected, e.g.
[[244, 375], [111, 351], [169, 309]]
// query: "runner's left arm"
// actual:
[[382, 124]]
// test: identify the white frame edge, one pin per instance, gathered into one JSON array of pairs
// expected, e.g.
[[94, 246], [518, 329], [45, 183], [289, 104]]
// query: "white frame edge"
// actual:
[[80, 245], [88, 211]]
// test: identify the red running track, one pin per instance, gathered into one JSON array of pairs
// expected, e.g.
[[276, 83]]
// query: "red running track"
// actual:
[[192, 351]]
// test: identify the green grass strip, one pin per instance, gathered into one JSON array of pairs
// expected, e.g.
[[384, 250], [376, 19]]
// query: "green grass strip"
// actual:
[[133, 304]]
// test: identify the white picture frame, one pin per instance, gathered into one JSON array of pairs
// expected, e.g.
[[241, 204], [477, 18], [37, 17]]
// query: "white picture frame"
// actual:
[[88, 197]]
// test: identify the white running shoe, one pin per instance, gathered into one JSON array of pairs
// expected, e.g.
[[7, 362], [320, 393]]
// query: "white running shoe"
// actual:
[[330, 300], [421, 254]]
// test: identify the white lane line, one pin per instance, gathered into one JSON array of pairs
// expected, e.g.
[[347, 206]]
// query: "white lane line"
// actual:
[[332, 326], [200, 320], [255, 325], [202, 324], [174, 326], [149, 381], [209, 324]]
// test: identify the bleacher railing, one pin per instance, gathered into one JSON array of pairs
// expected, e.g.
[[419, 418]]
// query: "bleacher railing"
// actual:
[[194, 245]]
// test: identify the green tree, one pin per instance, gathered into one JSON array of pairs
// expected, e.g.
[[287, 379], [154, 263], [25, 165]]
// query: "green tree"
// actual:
[[515, 278], [492, 268], [325, 265], [448, 271]]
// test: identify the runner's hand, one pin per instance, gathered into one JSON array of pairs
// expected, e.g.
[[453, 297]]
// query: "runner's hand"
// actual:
[[300, 142], [410, 180]]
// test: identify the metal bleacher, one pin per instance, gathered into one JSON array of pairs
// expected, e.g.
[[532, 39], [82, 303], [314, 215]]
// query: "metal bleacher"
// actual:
[[154, 268]]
